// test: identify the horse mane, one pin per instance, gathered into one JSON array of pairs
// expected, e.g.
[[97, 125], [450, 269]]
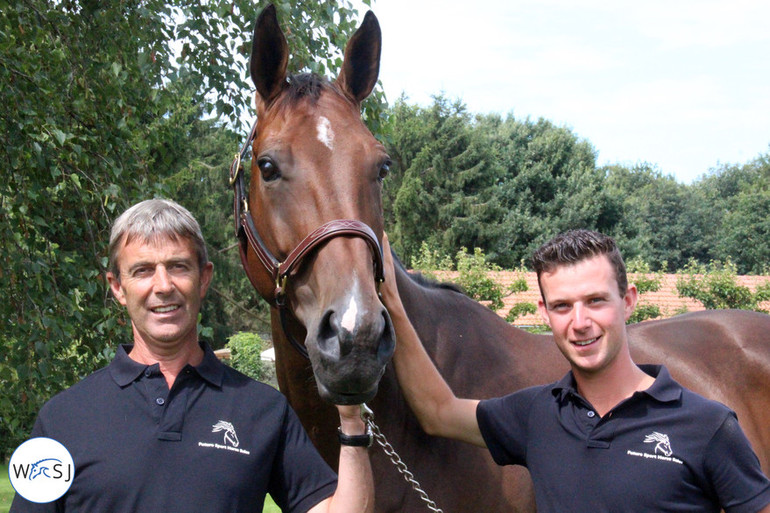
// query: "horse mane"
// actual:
[[425, 281]]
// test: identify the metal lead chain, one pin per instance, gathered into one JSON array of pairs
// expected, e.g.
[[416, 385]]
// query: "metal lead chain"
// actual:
[[368, 415]]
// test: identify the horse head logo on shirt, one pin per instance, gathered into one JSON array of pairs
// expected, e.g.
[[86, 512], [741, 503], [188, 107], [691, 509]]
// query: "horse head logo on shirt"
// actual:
[[227, 427], [662, 443]]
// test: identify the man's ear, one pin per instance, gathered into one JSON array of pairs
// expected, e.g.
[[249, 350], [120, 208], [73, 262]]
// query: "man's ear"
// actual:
[[541, 308], [629, 300], [116, 288], [207, 273]]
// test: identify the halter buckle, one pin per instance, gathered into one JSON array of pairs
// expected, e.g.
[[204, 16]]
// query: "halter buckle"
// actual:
[[235, 168]]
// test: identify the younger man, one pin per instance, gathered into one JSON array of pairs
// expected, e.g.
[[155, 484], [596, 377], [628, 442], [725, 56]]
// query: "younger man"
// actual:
[[575, 435]]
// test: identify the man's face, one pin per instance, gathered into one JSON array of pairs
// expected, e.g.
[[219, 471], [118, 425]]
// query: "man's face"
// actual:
[[586, 313], [161, 286]]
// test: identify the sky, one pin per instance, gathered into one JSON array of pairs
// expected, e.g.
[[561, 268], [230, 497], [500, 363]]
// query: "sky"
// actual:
[[683, 85]]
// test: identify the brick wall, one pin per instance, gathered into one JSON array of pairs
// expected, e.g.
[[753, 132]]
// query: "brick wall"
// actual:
[[666, 298]]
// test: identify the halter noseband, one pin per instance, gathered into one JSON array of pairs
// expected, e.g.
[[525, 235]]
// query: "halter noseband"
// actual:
[[247, 234]]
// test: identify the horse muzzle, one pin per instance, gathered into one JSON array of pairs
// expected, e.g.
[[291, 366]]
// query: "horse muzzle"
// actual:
[[349, 350]]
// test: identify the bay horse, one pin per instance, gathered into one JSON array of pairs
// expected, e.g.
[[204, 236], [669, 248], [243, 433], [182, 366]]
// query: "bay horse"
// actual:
[[310, 231]]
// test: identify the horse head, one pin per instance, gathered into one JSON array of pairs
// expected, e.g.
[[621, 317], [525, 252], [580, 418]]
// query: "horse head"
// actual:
[[315, 164], [661, 441]]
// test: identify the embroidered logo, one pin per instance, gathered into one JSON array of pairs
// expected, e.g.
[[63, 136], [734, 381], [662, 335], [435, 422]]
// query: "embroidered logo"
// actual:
[[230, 440], [230, 436], [663, 444], [662, 450]]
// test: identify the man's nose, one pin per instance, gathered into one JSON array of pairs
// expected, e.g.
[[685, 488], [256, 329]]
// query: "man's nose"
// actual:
[[580, 317], [162, 280]]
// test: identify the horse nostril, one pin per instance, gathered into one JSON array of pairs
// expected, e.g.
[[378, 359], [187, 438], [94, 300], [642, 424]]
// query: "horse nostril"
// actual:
[[372, 336], [328, 336], [387, 343]]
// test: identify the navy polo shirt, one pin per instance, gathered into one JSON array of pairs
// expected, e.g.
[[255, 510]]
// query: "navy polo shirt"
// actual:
[[664, 449], [218, 441]]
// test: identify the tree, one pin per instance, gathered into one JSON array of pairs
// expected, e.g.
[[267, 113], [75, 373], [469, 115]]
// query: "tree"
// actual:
[[102, 106], [502, 185], [662, 221], [741, 194]]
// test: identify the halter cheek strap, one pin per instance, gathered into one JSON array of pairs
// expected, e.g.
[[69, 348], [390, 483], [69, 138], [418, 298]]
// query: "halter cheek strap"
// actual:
[[249, 238]]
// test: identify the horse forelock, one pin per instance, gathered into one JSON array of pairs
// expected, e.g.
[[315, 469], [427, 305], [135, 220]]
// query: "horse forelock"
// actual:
[[306, 86]]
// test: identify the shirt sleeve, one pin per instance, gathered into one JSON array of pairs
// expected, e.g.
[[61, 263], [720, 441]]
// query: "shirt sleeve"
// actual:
[[504, 422], [300, 478], [734, 470]]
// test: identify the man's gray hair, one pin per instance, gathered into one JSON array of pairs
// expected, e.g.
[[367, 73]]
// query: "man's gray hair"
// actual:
[[151, 220]]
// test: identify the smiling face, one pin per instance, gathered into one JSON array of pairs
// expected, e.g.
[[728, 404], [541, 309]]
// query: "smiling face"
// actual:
[[586, 312], [161, 285]]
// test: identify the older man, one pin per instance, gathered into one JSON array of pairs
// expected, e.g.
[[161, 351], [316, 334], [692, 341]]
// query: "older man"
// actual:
[[166, 427]]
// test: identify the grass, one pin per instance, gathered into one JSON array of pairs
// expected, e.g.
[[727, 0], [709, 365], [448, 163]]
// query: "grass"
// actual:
[[270, 506], [6, 490], [6, 494]]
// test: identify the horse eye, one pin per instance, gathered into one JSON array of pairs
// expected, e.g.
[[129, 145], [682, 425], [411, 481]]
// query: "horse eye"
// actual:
[[269, 170], [384, 170]]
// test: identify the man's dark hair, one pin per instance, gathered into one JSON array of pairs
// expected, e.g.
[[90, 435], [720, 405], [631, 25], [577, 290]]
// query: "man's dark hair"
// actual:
[[574, 246]]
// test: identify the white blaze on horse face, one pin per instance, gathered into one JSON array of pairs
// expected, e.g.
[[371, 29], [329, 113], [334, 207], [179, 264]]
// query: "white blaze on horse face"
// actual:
[[325, 132], [349, 317]]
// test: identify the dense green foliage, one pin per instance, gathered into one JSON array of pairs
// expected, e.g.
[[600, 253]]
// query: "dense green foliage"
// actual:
[[501, 185], [506, 185], [105, 104]]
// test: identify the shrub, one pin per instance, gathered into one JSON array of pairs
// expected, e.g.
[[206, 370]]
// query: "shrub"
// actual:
[[716, 286], [642, 312], [641, 272], [520, 309], [429, 260], [245, 355], [646, 281], [474, 278]]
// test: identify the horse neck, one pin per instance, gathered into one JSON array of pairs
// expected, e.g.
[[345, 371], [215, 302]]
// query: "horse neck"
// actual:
[[296, 381], [462, 336], [440, 315]]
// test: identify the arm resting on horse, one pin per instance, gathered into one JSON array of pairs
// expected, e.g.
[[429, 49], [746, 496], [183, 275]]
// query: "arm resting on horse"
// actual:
[[439, 411]]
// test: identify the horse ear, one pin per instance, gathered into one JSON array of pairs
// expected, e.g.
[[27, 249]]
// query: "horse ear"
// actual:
[[361, 65], [269, 55]]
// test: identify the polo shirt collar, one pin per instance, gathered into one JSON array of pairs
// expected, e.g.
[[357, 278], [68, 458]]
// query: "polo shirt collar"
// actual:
[[664, 389], [210, 368], [125, 371]]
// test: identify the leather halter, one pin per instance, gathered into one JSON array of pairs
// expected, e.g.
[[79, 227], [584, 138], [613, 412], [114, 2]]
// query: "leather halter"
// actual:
[[247, 234]]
